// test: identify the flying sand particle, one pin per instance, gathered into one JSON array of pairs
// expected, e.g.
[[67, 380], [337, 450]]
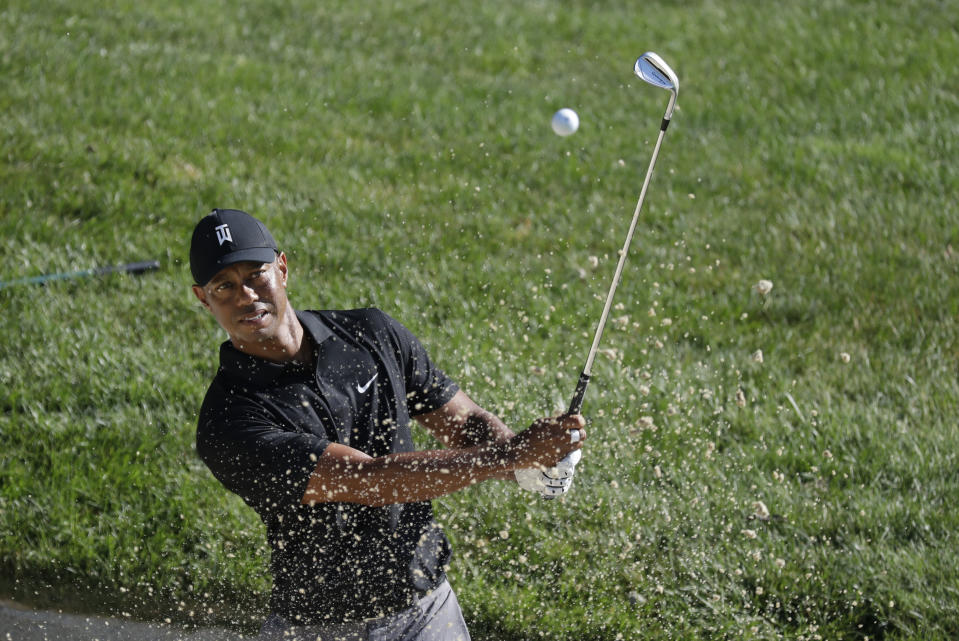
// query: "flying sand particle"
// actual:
[[760, 511], [740, 398]]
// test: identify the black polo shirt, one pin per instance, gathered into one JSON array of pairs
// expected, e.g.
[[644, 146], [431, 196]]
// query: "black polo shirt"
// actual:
[[262, 427]]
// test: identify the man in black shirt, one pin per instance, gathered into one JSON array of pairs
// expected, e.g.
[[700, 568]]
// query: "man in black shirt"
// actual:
[[308, 420]]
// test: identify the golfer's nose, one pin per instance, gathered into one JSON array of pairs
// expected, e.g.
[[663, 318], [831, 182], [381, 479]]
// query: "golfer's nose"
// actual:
[[247, 294]]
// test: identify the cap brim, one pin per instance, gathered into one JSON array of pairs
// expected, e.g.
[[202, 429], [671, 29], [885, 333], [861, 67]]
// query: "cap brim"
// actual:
[[255, 255]]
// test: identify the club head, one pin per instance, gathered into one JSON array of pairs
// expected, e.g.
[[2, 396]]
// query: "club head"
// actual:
[[654, 70]]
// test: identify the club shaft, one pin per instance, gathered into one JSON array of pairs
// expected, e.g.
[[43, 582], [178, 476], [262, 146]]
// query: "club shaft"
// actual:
[[576, 405]]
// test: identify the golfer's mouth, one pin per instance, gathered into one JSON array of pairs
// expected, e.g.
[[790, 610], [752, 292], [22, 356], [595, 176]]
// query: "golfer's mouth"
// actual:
[[255, 318]]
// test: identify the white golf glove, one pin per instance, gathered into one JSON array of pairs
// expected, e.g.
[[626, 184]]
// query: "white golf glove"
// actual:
[[550, 482]]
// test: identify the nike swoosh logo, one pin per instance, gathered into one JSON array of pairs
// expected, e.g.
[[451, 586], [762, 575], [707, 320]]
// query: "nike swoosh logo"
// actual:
[[363, 388]]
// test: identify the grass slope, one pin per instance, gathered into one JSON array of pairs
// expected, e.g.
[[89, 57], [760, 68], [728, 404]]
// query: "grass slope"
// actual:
[[401, 153]]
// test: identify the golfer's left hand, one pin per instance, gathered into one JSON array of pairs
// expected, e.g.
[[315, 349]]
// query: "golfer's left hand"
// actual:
[[551, 482]]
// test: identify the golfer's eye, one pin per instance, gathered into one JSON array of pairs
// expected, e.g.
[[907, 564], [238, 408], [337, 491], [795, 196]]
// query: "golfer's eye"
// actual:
[[222, 287]]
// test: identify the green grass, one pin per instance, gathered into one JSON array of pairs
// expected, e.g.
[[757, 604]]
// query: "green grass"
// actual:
[[401, 153]]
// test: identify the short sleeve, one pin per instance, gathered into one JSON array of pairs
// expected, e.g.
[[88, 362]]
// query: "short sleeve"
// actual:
[[427, 387], [247, 451]]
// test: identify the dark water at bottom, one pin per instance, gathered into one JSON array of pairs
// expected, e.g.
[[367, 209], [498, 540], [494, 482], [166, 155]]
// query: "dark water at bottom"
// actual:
[[19, 623]]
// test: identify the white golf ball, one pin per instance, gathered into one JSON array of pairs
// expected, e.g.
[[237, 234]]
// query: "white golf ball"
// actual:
[[565, 122]]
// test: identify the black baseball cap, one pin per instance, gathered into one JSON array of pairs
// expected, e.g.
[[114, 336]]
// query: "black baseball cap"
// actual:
[[227, 236]]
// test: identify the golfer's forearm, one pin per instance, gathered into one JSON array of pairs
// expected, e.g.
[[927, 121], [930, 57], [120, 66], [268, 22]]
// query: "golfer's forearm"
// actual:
[[483, 427], [459, 427], [486, 427], [407, 477]]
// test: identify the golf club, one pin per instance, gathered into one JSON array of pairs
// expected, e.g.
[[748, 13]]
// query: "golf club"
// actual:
[[128, 268], [652, 69]]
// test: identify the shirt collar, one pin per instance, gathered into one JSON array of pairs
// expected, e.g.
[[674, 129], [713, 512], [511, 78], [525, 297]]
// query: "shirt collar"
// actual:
[[260, 371], [312, 324]]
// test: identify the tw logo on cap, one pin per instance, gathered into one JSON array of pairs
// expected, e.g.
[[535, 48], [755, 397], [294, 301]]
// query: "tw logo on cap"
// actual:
[[223, 233]]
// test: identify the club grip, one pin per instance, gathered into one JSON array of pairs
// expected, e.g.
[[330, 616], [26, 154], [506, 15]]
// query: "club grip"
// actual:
[[576, 406]]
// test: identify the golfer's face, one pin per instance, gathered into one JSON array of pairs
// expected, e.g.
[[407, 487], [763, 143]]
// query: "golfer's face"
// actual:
[[248, 299]]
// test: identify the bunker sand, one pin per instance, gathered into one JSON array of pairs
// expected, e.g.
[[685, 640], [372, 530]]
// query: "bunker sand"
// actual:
[[20, 623]]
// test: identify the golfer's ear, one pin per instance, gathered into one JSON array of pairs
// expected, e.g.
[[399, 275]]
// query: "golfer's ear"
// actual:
[[281, 265], [201, 295]]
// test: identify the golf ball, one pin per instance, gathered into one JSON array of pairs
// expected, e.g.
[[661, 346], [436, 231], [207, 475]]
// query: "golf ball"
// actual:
[[565, 122]]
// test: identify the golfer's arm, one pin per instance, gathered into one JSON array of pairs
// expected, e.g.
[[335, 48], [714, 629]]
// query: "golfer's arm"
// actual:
[[461, 423], [470, 433], [346, 475]]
